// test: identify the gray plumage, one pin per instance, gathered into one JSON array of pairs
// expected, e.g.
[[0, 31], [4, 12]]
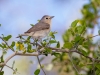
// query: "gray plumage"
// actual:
[[38, 27]]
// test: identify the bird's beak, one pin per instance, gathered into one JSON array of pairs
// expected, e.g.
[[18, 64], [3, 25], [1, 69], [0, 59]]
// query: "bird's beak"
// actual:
[[51, 17]]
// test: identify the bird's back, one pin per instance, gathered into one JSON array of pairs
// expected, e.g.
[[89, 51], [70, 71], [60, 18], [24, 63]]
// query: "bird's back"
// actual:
[[39, 26]]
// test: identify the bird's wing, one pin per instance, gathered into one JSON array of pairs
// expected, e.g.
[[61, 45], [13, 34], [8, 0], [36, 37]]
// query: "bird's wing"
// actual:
[[38, 27]]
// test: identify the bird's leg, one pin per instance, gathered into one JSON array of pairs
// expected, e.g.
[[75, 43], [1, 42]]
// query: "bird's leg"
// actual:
[[37, 47]]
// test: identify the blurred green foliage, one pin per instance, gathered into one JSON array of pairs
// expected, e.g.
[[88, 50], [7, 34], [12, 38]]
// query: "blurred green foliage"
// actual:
[[77, 37]]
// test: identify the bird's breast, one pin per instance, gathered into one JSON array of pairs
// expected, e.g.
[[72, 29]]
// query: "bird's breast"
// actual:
[[42, 33]]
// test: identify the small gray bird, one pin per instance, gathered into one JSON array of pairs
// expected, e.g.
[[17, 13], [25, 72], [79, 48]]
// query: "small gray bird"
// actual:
[[41, 29]]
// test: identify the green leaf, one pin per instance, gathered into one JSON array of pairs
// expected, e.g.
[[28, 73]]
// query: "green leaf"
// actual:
[[97, 71], [99, 32], [74, 23], [67, 69], [77, 38], [31, 51], [15, 71], [13, 44], [29, 47], [66, 38], [48, 50], [98, 66], [44, 43], [1, 72], [1, 46], [67, 45], [13, 64], [72, 31], [0, 25], [58, 45], [4, 45], [84, 52], [7, 37], [52, 34], [2, 60], [38, 20], [56, 54], [54, 59], [52, 41], [80, 29], [29, 38], [81, 64], [81, 41], [37, 72], [32, 25]]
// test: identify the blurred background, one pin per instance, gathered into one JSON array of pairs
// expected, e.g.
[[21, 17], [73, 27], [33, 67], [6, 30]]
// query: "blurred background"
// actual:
[[17, 15]]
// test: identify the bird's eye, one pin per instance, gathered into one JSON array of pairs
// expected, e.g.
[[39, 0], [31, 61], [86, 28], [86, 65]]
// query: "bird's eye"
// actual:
[[46, 18]]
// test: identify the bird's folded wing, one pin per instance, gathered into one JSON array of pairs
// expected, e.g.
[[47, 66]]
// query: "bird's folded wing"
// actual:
[[38, 27]]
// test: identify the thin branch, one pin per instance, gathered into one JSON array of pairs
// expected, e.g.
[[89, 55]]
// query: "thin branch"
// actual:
[[73, 64], [14, 54], [41, 65], [20, 54], [7, 44], [91, 37], [76, 51], [12, 69], [93, 66], [27, 54], [6, 60]]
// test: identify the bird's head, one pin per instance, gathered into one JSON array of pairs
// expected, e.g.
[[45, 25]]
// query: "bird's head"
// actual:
[[46, 19]]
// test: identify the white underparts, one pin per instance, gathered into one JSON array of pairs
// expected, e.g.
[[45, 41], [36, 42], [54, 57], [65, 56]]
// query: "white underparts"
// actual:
[[38, 34]]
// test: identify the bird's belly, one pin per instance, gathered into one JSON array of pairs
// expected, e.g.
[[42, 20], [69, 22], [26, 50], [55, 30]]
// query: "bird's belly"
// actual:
[[41, 34]]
